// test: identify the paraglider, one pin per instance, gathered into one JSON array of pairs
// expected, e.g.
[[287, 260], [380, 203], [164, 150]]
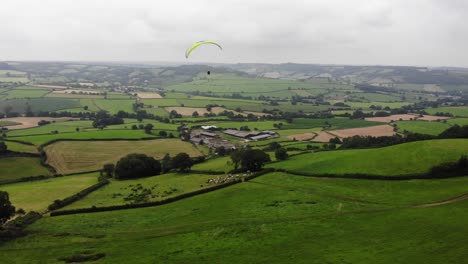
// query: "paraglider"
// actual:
[[198, 44]]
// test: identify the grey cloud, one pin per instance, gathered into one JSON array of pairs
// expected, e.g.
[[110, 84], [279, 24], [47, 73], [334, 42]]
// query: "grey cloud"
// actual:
[[400, 32]]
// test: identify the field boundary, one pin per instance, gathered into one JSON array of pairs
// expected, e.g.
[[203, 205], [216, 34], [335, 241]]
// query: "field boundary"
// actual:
[[422, 176]]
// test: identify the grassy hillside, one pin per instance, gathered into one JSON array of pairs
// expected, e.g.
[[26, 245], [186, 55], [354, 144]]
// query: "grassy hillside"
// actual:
[[276, 219], [76, 156], [37, 195], [13, 168], [409, 158]]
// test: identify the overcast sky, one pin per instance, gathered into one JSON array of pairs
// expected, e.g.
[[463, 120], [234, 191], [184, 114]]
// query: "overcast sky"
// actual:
[[384, 32]]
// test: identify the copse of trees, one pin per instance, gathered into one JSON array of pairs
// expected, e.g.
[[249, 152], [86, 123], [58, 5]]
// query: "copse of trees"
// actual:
[[6, 209], [136, 166], [249, 159], [104, 119], [108, 169], [3, 148], [281, 154], [182, 162]]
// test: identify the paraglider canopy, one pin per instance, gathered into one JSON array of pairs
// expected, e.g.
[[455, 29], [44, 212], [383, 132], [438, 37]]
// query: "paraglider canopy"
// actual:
[[198, 44]]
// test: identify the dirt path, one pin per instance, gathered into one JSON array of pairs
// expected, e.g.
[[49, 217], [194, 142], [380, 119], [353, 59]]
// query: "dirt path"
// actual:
[[449, 201]]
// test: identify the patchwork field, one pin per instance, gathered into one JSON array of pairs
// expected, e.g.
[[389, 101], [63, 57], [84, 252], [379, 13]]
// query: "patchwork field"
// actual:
[[13, 168], [403, 159], [98, 134], [461, 111], [375, 131], [19, 147], [28, 122], [78, 156], [161, 186], [392, 118], [46, 191], [422, 127]]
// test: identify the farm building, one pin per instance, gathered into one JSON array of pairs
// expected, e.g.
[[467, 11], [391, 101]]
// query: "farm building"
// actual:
[[208, 127], [254, 135]]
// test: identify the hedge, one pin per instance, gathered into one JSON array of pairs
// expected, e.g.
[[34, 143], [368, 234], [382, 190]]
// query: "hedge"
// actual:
[[363, 176], [156, 203], [57, 204]]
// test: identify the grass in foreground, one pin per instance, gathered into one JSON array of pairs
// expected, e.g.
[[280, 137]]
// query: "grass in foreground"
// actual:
[[254, 223]]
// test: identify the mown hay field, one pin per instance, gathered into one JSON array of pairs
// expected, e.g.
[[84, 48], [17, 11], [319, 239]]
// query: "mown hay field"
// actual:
[[78, 156]]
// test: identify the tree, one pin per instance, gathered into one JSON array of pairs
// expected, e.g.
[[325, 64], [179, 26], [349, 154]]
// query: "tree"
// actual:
[[28, 110], [274, 146], [6, 209], [195, 114], [3, 148], [281, 154], [221, 151], [166, 163], [249, 159], [163, 133], [108, 169], [254, 159], [136, 166], [182, 162], [134, 127], [148, 128], [7, 110]]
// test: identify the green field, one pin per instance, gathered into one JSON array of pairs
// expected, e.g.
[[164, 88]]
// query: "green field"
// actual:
[[61, 127], [19, 147], [8, 123], [455, 121], [225, 84], [330, 123], [274, 219], [403, 159], [26, 93], [377, 97], [13, 168], [98, 134], [162, 187], [461, 111], [37, 195], [39, 104], [77, 156], [423, 127]]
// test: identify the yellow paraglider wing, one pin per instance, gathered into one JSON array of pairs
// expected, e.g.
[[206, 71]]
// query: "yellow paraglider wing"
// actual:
[[198, 44]]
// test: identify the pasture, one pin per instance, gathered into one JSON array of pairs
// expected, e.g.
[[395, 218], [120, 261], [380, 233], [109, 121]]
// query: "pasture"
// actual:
[[403, 159], [19, 147], [78, 156], [423, 127], [460, 111], [97, 134], [37, 195], [13, 168], [161, 186], [329, 123], [253, 220]]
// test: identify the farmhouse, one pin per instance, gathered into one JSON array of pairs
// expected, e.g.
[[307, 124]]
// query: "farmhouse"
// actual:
[[208, 127]]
